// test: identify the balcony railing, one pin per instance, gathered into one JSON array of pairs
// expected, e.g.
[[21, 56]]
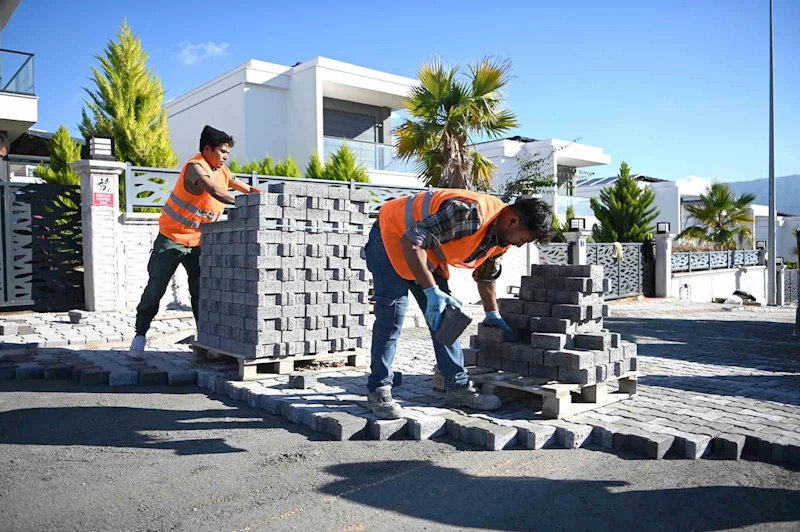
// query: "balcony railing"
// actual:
[[372, 155], [16, 72]]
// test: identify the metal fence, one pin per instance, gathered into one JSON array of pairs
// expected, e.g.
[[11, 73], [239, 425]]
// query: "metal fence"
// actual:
[[149, 188], [791, 286], [712, 260], [41, 263]]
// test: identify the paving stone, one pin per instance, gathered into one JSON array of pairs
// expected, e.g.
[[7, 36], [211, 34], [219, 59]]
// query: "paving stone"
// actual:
[[343, 426], [29, 371], [302, 380], [153, 377], [179, 377], [651, 445], [123, 378], [786, 450], [571, 435], [57, 372], [535, 435], [729, 446], [385, 429]]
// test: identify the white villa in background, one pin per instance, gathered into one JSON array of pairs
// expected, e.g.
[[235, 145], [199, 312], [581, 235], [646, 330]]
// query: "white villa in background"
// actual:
[[311, 107]]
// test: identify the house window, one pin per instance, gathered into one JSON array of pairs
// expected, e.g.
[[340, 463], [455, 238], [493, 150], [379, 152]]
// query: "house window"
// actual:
[[342, 124]]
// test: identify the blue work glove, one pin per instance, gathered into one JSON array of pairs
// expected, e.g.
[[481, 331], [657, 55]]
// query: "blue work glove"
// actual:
[[493, 319], [437, 302]]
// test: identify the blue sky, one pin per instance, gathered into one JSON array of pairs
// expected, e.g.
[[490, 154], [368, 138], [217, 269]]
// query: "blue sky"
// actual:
[[676, 88]]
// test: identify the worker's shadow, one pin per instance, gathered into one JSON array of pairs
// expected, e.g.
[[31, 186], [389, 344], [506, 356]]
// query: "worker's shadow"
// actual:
[[449, 496]]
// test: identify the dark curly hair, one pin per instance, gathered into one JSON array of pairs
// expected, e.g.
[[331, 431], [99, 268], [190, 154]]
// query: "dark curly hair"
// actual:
[[535, 215]]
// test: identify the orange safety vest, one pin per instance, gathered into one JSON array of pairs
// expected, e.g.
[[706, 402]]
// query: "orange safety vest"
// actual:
[[399, 215], [183, 212]]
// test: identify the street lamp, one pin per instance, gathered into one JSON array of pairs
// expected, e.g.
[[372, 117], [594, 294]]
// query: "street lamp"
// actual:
[[773, 244], [662, 227], [761, 244], [577, 224]]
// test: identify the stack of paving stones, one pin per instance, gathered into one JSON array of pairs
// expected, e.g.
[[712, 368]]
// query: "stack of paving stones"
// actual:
[[558, 318], [284, 276]]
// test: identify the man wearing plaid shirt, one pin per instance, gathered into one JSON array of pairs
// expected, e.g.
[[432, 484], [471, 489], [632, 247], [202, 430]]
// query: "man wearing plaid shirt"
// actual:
[[463, 229]]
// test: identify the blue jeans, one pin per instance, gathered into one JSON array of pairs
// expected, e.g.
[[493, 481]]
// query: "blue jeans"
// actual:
[[391, 303]]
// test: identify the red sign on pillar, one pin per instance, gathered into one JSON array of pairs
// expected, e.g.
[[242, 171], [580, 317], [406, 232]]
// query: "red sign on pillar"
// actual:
[[102, 191]]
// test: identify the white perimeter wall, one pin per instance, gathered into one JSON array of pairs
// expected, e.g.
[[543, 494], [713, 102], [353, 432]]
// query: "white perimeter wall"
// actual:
[[704, 286], [138, 234]]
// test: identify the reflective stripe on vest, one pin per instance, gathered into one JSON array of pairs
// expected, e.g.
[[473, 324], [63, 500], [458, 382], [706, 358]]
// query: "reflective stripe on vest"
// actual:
[[179, 218], [426, 211], [191, 208]]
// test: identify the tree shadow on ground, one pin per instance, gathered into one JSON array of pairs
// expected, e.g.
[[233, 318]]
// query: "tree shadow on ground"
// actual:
[[125, 427], [761, 345], [448, 496]]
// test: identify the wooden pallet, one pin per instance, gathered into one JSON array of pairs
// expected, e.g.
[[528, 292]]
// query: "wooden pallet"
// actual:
[[559, 400], [257, 368]]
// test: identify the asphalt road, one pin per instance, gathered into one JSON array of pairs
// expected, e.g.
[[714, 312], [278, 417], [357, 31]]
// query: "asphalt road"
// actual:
[[176, 459]]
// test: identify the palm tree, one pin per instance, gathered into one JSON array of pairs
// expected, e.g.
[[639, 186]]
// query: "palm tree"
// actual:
[[446, 112], [722, 218]]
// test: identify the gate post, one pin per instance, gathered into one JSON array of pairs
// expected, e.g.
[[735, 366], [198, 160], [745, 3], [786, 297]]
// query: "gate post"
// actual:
[[664, 264], [577, 245], [780, 280], [101, 234]]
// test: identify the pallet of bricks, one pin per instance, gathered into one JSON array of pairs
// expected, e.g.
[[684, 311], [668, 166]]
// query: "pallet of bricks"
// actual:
[[283, 279], [563, 349]]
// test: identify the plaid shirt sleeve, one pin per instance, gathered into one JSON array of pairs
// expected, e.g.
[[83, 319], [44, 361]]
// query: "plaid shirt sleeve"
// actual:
[[456, 218], [489, 271]]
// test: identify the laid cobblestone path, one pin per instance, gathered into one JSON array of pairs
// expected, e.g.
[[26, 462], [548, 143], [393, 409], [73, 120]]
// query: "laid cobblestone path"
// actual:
[[713, 381]]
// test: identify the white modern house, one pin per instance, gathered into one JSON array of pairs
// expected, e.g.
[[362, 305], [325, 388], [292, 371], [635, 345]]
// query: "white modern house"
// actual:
[[560, 158], [19, 105], [311, 107]]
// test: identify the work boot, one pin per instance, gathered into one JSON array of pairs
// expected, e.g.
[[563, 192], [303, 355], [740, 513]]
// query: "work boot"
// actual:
[[381, 403], [138, 344], [470, 397]]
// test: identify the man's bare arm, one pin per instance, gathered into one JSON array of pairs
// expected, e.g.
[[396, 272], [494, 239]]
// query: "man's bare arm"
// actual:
[[216, 191], [488, 296]]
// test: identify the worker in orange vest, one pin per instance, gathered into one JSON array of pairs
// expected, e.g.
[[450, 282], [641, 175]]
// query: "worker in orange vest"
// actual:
[[411, 246], [199, 197]]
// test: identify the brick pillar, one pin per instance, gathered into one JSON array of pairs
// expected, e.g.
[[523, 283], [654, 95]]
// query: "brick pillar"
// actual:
[[664, 264], [101, 234], [577, 245]]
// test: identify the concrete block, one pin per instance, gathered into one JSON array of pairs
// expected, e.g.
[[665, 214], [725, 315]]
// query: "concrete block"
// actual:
[[629, 349], [491, 334], [470, 356], [9, 328], [540, 295], [577, 376], [571, 435], [511, 306], [535, 435], [538, 309], [123, 378], [543, 372], [527, 353], [546, 270], [518, 321], [569, 358], [576, 284], [786, 449], [552, 325], [569, 312], [181, 377], [29, 370], [385, 429], [581, 270], [649, 444], [729, 446], [454, 323], [686, 445], [554, 283], [594, 341], [424, 427], [302, 380], [554, 341]]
